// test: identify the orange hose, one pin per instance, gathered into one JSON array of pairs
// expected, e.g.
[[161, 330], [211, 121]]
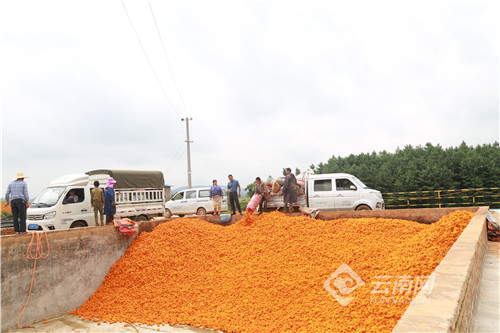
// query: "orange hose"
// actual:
[[38, 255]]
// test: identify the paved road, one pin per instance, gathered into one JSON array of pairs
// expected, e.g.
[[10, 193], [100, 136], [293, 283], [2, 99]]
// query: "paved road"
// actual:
[[486, 317], [74, 324]]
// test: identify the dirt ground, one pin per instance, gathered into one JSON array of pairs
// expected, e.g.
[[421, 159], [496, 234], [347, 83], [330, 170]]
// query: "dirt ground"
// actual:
[[7, 231]]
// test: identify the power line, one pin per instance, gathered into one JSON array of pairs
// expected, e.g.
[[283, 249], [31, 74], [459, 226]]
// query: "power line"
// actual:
[[149, 61], [175, 159], [168, 61]]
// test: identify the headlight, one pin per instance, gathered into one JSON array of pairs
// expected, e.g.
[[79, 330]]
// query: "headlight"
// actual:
[[49, 216]]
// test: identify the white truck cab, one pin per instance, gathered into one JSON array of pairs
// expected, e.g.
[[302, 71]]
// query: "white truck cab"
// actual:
[[341, 191], [66, 202], [52, 209]]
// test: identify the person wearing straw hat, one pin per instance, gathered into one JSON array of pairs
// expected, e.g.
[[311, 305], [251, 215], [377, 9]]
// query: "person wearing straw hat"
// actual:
[[17, 195], [109, 200]]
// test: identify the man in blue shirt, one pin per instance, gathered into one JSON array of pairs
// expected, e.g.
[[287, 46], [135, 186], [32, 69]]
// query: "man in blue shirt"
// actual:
[[216, 197], [17, 195], [234, 189]]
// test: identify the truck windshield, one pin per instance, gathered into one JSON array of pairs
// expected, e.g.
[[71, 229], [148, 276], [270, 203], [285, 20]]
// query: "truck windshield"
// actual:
[[359, 182], [48, 197]]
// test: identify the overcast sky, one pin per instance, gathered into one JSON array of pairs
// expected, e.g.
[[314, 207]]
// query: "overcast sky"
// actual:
[[269, 84]]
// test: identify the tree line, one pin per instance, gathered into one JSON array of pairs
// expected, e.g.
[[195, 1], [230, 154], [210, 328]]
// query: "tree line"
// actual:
[[422, 168]]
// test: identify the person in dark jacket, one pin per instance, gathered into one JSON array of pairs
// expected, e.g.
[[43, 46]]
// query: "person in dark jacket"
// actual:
[[109, 200], [289, 190]]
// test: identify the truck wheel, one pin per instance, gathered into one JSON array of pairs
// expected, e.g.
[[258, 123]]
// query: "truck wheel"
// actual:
[[201, 212], [363, 207], [168, 213], [78, 224], [142, 218]]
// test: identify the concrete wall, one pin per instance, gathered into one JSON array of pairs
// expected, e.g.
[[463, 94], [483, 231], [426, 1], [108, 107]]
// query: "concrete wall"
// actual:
[[422, 215], [79, 260], [168, 193], [456, 284]]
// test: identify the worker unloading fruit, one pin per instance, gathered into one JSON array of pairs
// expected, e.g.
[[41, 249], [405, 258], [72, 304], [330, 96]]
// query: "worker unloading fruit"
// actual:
[[289, 191]]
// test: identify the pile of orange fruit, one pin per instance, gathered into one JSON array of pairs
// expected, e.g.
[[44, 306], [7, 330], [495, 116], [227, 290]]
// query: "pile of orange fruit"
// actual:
[[6, 208], [267, 273]]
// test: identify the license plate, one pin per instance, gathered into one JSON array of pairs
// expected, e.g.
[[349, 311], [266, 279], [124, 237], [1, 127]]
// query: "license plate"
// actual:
[[32, 226]]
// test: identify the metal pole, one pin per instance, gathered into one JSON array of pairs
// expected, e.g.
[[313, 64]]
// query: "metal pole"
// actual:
[[188, 150]]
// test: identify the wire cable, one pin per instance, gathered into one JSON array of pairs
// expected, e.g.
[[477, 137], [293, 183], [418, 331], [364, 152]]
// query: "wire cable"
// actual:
[[166, 57], [175, 158], [149, 61], [174, 163]]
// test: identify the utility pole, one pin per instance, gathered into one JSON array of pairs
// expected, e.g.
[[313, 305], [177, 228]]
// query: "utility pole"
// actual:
[[187, 119]]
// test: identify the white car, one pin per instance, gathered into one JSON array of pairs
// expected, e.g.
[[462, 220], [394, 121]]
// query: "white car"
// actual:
[[194, 201]]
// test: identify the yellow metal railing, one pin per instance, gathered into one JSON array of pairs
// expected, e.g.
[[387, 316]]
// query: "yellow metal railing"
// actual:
[[444, 198]]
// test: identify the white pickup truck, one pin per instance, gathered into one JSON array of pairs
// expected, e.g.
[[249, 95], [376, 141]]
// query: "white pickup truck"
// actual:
[[139, 195], [332, 191]]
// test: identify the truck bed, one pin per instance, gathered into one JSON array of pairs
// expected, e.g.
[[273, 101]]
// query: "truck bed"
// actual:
[[276, 202]]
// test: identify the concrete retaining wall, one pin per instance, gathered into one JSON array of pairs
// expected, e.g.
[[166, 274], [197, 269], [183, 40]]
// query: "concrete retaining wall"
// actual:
[[78, 262], [422, 215], [456, 284]]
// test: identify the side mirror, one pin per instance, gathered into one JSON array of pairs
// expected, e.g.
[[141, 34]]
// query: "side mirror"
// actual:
[[353, 188]]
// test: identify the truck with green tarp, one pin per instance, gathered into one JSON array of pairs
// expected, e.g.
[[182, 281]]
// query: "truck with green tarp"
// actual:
[[139, 195]]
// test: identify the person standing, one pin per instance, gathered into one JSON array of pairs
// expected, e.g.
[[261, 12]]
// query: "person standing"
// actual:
[[97, 202], [216, 196], [17, 195], [109, 200], [261, 189], [234, 190], [289, 190]]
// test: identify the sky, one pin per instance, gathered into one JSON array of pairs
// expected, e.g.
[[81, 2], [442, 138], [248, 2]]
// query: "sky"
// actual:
[[268, 84]]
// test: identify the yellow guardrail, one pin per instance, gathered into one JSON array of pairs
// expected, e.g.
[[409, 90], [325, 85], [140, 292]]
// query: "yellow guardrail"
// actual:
[[444, 198]]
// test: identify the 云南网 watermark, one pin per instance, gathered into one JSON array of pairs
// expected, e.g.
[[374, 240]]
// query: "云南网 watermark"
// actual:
[[386, 289]]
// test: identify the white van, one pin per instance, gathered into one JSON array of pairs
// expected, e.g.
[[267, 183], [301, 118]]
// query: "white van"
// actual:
[[65, 203], [332, 192], [193, 201]]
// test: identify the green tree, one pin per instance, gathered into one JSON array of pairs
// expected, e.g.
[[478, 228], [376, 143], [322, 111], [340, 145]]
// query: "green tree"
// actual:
[[422, 168], [250, 188]]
